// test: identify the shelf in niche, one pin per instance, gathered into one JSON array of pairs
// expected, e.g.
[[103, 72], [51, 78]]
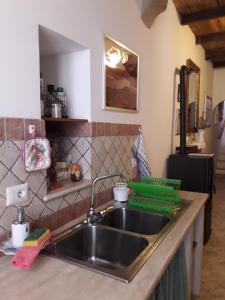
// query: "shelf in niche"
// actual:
[[66, 63], [68, 187], [65, 120]]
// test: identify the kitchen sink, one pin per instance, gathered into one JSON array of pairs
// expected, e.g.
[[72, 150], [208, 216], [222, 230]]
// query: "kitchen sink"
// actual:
[[101, 247], [119, 244], [135, 220]]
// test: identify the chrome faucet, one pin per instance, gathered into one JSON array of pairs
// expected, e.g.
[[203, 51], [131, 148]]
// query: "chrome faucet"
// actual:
[[92, 214]]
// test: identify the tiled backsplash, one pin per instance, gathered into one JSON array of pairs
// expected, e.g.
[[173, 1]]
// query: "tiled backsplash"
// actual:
[[76, 150], [100, 148], [12, 172], [98, 155]]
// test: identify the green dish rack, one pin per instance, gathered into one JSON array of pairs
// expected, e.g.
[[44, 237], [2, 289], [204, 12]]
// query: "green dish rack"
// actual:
[[160, 194], [175, 183]]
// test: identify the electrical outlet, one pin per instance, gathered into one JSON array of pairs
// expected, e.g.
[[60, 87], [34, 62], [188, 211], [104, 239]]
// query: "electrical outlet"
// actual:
[[31, 129], [134, 163], [16, 194]]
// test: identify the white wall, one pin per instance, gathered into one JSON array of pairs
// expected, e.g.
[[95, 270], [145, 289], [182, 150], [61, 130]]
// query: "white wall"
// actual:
[[71, 71], [218, 96], [161, 49], [218, 86]]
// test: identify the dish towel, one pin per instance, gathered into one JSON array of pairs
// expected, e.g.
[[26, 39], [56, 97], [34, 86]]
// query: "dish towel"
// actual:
[[140, 155]]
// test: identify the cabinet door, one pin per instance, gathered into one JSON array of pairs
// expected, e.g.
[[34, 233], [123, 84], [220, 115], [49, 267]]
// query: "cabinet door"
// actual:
[[208, 221], [196, 175], [209, 176], [191, 171]]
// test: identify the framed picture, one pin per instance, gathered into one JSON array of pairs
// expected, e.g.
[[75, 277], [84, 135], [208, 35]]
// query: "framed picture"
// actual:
[[208, 111], [219, 112], [120, 77]]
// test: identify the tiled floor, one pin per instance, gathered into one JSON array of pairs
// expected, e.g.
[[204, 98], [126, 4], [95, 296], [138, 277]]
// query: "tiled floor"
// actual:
[[213, 272]]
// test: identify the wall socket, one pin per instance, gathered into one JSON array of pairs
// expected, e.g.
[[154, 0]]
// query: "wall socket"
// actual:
[[16, 194], [31, 129]]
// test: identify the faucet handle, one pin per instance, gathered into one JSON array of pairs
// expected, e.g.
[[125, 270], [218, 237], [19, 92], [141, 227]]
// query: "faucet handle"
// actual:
[[93, 216]]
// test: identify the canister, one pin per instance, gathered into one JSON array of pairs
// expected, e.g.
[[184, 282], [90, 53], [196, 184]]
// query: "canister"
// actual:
[[56, 110]]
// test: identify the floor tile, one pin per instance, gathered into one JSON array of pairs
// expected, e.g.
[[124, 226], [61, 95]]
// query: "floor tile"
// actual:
[[213, 272]]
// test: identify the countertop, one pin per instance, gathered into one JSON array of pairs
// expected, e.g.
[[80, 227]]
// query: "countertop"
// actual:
[[51, 278]]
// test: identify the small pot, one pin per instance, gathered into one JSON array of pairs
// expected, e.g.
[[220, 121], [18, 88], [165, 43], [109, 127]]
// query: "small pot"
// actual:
[[76, 172], [75, 178]]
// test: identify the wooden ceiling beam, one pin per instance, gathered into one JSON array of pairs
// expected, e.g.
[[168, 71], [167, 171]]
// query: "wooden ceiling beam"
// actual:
[[217, 36], [202, 15], [216, 54], [219, 64]]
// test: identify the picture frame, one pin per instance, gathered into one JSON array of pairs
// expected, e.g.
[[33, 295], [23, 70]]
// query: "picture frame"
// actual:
[[219, 112], [121, 75], [208, 111]]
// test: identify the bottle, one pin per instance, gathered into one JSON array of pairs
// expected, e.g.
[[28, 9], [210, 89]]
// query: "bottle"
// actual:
[[62, 99]]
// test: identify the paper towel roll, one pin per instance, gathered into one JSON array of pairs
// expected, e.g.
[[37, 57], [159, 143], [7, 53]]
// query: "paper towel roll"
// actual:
[[19, 233]]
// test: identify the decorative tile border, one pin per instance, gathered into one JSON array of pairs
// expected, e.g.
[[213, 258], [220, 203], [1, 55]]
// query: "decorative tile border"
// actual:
[[100, 148], [2, 129], [112, 129], [16, 129], [92, 129]]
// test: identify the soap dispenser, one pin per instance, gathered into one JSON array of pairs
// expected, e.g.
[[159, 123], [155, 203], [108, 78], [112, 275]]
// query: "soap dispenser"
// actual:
[[20, 228]]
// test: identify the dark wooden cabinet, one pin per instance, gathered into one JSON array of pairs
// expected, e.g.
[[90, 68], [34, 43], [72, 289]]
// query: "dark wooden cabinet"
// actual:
[[196, 174]]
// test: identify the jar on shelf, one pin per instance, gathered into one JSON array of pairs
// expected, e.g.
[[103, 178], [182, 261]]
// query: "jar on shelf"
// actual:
[[56, 110]]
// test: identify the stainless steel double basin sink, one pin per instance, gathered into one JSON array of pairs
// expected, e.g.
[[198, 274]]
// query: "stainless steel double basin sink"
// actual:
[[119, 244]]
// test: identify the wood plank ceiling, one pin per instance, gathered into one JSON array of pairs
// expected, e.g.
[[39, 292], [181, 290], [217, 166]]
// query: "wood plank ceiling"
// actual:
[[206, 19]]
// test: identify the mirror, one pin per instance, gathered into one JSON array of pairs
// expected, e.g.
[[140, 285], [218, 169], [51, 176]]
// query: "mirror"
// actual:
[[192, 96]]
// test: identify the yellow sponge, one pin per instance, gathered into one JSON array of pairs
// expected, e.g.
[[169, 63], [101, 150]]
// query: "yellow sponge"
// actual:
[[36, 237]]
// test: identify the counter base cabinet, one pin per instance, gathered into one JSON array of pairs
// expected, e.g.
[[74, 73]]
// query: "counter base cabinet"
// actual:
[[173, 284], [196, 174], [182, 278]]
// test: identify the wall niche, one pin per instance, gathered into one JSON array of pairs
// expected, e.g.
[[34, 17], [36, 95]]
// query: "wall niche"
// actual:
[[66, 63]]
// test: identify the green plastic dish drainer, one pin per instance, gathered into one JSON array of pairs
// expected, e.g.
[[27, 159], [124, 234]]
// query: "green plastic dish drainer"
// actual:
[[159, 194]]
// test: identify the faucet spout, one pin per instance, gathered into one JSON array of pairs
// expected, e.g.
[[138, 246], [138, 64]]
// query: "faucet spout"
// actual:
[[92, 214]]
